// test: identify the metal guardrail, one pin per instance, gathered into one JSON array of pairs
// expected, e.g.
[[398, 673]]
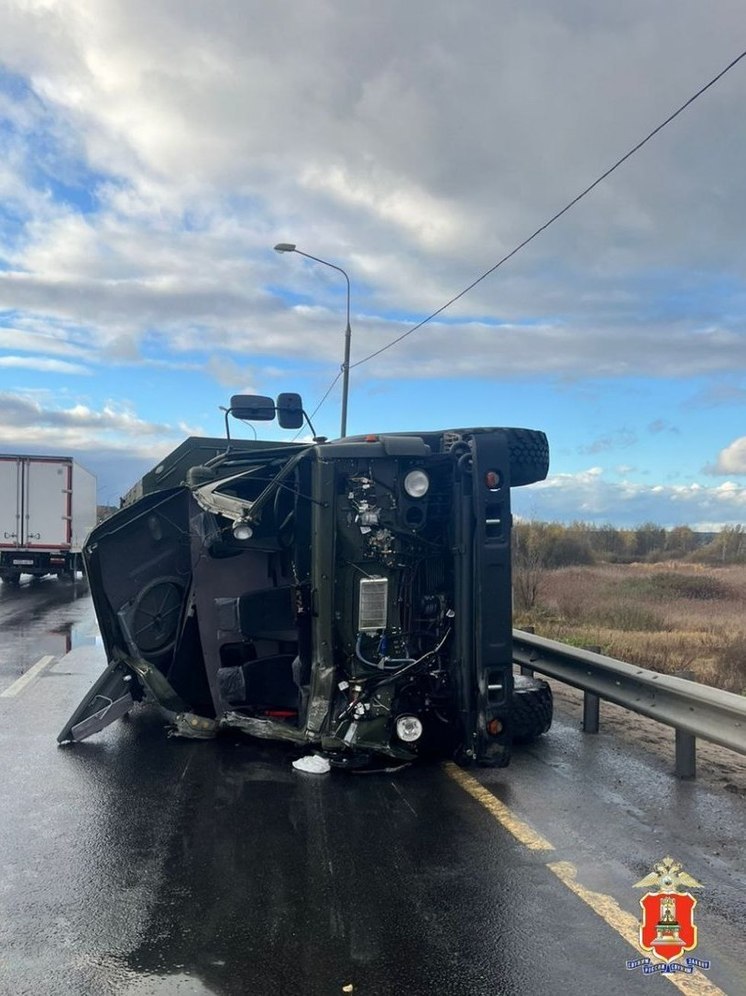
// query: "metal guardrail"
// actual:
[[693, 710]]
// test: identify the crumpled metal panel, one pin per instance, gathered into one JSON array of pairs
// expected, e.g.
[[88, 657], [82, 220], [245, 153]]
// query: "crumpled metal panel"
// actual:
[[193, 727], [265, 729], [157, 684]]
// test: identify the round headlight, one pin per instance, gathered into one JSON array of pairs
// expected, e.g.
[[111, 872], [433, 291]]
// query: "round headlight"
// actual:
[[242, 530], [408, 729], [416, 483]]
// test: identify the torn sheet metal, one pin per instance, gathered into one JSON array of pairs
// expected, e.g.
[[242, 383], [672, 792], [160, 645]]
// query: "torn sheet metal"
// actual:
[[186, 724]]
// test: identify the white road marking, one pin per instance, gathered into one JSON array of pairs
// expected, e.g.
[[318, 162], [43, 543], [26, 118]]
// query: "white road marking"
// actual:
[[20, 683]]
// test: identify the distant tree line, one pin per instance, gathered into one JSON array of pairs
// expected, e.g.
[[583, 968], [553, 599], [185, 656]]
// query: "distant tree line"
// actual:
[[542, 546], [551, 544]]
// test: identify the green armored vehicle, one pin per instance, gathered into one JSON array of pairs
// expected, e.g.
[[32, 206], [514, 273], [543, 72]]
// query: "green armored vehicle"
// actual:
[[351, 596]]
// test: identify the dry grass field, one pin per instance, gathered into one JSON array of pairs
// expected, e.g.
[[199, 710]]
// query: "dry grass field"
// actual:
[[666, 617]]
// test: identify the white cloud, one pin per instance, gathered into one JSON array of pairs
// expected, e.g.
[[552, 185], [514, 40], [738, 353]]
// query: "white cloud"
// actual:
[[418, 214], [731, 460], [33, 337], [42, 364], [591, 497], [413, 148], [229, 374], [78, 424], [153, 152]]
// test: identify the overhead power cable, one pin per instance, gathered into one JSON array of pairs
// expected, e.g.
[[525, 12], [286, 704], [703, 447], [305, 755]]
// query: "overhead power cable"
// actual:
[[538, 231], [554, 217], [326, 395]]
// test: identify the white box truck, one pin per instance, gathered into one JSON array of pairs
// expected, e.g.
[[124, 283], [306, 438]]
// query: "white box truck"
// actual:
[[47, 508]]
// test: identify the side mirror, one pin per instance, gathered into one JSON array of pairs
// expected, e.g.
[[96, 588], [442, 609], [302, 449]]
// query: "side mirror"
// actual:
[[290, 411], [252, 408]]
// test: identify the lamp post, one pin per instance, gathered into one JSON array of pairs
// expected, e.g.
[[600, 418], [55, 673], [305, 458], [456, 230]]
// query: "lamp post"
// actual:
[[289, 247]]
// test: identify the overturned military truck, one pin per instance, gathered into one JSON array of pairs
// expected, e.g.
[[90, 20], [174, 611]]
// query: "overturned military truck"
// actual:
[[351, 596]]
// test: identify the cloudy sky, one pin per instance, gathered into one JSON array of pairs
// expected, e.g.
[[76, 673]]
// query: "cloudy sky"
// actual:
[[154, 151]]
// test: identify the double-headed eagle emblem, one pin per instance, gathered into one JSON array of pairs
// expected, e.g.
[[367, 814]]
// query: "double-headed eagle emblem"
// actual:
[[669, 876]]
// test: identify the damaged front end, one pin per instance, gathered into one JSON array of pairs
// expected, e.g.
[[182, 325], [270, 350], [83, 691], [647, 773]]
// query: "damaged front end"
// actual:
[[353, 595]]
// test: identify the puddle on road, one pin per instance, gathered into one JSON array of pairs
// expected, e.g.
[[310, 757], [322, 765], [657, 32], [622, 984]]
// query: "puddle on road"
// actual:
[[168, 985], [72, 634], [54, 627]]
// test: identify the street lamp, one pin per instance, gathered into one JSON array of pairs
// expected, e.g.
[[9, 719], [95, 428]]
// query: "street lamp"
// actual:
[[289, 247]]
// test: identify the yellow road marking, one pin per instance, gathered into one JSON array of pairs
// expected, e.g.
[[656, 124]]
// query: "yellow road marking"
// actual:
[[20, 683], [628, 927], [624, 923], [520, 830]]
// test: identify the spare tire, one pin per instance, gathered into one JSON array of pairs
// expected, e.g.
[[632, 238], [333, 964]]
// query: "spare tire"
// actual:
[[529, 456], [532, 709], [528, 452]]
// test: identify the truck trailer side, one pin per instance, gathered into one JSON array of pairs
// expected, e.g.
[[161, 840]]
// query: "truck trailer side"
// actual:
[[47, 508]]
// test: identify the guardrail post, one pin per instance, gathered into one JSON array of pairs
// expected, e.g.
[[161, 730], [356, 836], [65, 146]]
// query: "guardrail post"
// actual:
[[528, 671], [686, 744], [591, 705], [686, 754], [590, 712]]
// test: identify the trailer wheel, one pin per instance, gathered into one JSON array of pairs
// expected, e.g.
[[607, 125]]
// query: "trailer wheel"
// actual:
[[529, 456], [532, 708]]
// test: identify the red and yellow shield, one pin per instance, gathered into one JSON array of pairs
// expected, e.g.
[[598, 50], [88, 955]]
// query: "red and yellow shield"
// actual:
[[668, 928]]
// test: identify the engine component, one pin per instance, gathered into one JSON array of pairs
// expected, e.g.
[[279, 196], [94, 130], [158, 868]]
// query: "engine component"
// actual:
[[373, 604]]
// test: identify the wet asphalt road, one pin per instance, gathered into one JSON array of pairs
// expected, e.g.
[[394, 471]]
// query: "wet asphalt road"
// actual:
[[42, 616], [135, 864]]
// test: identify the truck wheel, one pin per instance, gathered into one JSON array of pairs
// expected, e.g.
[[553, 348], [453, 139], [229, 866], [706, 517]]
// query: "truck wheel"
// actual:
[[155, 616], [532, 708], [529, 456], [11, 577]]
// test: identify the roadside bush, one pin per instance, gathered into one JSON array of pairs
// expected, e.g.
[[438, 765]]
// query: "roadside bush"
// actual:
[[666, 618], [664, 652], [732, 660], [630, 617], [676, 584], [672, 584]]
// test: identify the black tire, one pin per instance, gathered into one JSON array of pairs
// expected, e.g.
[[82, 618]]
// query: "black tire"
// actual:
[[528, 450], [529, 456], [155, 616], [532, 709]]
